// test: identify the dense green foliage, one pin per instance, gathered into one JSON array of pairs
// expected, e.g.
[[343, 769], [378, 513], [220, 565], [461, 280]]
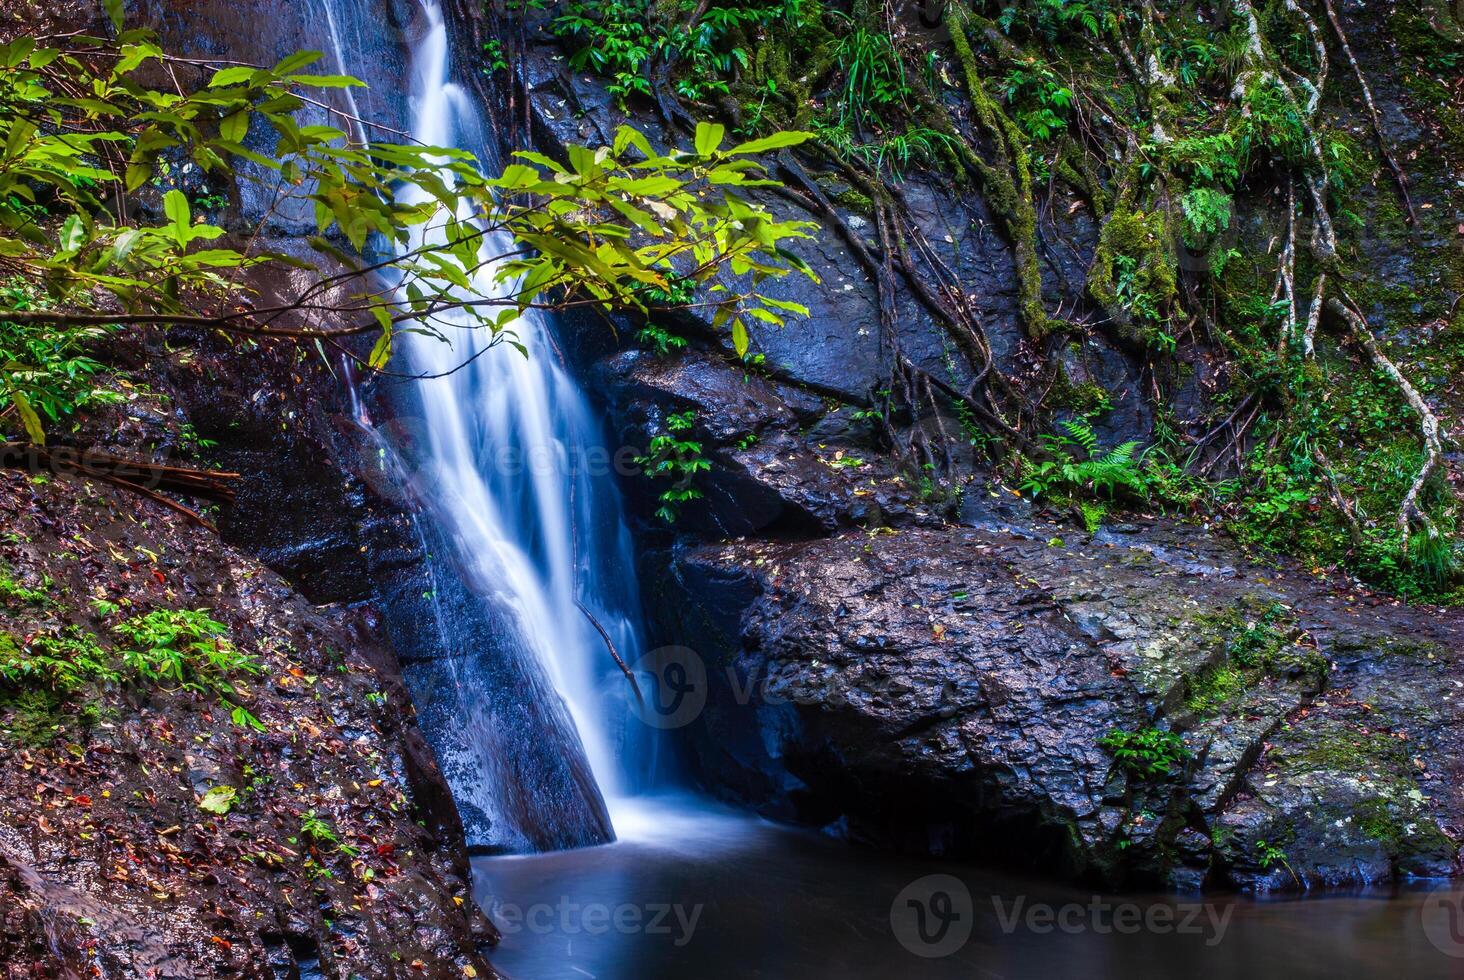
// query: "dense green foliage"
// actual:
[[1218, 150], [88, 144], [169, 649]]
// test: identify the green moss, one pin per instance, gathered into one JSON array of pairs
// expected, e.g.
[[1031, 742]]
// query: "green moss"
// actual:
[[1401, 828], [1215, 687], [1008, 185], [1133, 275], [1437, 47], [32, 718], [1254, 641], [854, 200], [1346, 750], [1085, 398]]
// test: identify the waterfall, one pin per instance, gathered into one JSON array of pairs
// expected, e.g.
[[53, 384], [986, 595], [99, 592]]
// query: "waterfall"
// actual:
[[512, 466]]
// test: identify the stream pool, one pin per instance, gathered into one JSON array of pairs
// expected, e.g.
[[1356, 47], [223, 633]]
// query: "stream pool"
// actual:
[[690, 891]]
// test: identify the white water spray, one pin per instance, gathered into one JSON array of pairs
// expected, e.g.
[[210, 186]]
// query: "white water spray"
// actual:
[[509, 445]]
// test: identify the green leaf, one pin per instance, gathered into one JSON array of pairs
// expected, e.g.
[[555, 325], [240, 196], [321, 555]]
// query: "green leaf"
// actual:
[[242, 718], [175, 206], [784, 305], [327, 81], [134, 55], [540, 159], [218, 800], [381, 353], [777, 141], [739, 337], [16, 51], [124, 244], [709, 137], [114, 12], [137, 175], [231, 76], [296, 61], [626, 136], [28, 417], [73, 235], [235, 126]]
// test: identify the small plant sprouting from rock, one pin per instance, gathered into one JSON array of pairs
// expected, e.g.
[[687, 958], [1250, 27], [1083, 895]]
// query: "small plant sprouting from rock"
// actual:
[[185, 648], [318, 831], [659, 339], [1150, 753], [1080, 472], [1269, 854], [671, 455]]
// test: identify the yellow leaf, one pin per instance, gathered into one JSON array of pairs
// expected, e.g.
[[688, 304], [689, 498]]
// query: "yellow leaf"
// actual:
[[28, 417], [381, 353]]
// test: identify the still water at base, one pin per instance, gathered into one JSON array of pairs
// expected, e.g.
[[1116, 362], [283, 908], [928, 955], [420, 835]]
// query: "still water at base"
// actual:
[[691, 891]]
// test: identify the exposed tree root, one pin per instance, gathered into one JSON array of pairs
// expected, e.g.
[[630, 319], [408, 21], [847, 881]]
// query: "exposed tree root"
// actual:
[[1314, 317], [1339, 499], [1258, 70], [1372, 109], [1410, 511]]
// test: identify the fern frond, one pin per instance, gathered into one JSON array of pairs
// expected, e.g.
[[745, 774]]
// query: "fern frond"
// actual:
[[1120, 455], [1083, 434]]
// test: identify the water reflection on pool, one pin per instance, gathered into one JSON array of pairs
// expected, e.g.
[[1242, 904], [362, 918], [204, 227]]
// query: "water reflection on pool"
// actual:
[[694, 892]]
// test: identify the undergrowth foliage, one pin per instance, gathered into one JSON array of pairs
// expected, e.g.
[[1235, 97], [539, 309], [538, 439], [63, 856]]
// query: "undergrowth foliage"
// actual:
[[169, 650], [1219, 150]]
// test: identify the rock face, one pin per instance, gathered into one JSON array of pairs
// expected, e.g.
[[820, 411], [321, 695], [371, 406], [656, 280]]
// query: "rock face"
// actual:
[[949, 689], [956, 674]]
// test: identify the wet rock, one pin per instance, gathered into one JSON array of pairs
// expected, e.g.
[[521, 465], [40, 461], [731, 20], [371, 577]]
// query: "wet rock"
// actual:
[[784, 461], [947, 689]]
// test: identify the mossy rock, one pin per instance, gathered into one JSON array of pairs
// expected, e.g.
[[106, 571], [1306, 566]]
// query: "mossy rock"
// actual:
[[1133, 275]]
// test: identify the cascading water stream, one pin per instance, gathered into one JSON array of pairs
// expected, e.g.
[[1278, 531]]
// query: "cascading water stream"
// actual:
[[508, 471]]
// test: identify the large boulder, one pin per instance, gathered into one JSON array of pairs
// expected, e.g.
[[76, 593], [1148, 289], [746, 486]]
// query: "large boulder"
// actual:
[[953, 689]]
